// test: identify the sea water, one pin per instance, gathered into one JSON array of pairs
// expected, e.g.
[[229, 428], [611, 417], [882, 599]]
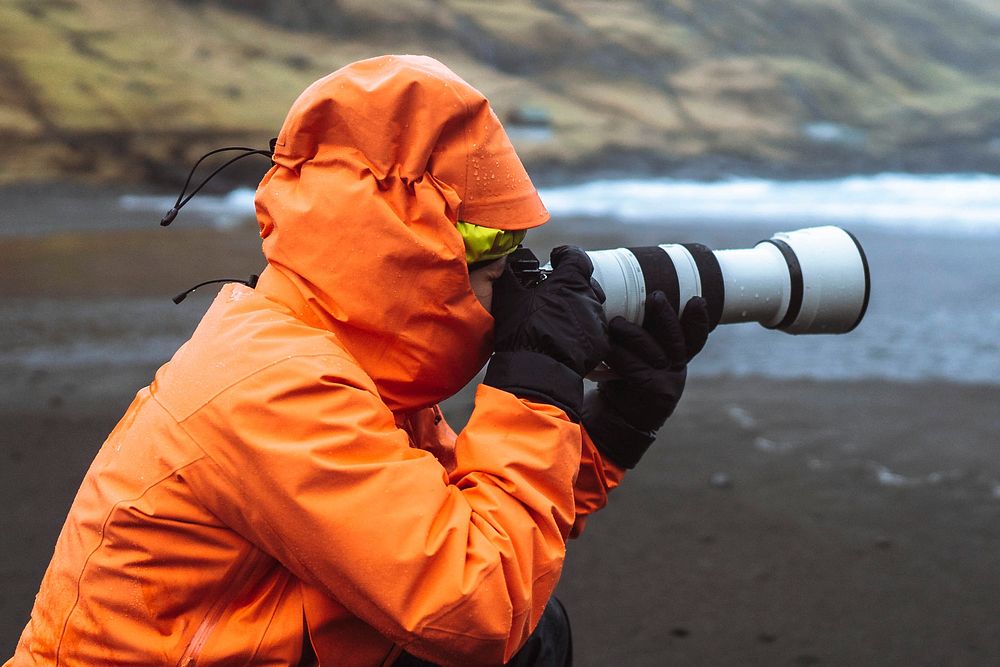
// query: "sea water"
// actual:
[[949, 204], [932, 242]]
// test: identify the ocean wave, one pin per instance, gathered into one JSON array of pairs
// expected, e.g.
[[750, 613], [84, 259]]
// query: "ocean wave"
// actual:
[[951, 204], [222, 211]]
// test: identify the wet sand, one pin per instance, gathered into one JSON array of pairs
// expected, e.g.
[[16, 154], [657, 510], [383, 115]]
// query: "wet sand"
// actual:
[[775, 522]]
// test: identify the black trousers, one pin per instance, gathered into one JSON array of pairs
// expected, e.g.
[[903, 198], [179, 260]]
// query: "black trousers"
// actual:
[[550, 645]]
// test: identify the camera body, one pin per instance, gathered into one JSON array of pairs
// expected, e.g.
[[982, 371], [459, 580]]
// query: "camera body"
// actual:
[[808, 281]]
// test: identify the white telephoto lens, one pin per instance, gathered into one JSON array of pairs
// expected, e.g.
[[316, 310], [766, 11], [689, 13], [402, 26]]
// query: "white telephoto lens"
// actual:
[[808, 281]]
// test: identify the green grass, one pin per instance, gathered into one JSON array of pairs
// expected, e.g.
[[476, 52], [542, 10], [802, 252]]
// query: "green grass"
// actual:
[[628, 75]]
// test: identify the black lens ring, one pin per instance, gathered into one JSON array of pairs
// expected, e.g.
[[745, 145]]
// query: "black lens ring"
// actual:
[[795, 274], [713, 289], [868, 282], [658, 273]]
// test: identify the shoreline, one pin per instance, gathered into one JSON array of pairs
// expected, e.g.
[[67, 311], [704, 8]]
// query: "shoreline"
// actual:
[[72, 296]]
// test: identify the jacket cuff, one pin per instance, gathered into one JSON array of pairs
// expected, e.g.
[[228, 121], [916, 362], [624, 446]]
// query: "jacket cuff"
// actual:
[[616, 439], [538, 377]]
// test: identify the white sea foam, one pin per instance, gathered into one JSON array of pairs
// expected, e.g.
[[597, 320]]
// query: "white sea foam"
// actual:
[[222, 211], [953, 204]]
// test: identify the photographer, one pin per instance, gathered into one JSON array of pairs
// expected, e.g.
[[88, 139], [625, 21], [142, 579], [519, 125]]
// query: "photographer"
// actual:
[[286, 491]]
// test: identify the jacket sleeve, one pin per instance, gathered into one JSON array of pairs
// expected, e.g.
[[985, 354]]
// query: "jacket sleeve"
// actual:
[[597, 477], [310, 466], [595, 480]]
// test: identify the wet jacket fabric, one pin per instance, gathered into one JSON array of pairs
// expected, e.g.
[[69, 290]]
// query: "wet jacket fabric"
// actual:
[[287, 476]]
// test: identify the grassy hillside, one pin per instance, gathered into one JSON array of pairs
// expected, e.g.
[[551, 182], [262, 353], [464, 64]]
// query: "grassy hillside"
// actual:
[[100, 90]]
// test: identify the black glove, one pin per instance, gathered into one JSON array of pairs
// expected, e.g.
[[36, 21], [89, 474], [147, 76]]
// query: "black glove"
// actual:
[[622, 415], [548, 335]]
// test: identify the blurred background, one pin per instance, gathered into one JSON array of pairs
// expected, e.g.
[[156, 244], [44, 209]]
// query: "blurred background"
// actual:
[[815, 500]]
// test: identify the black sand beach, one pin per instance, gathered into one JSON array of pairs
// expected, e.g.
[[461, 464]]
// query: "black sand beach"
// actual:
[[775, 522]]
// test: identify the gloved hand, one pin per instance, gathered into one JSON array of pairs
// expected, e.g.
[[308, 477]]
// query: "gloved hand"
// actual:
[[622, 415], [547, 336]]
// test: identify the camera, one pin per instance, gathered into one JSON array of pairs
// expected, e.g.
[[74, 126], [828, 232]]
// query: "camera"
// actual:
[[808, 281]]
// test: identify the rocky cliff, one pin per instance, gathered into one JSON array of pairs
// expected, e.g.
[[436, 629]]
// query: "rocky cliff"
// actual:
[[105, 91]]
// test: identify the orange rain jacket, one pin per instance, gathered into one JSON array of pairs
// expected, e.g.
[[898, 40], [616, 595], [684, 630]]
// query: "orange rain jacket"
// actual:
[[287, 476]]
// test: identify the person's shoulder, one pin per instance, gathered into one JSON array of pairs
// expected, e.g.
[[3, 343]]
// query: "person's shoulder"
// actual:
[[246, 342]]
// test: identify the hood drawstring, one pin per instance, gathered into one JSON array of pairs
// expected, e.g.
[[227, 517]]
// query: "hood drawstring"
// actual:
[[182, 200], [250, 282]]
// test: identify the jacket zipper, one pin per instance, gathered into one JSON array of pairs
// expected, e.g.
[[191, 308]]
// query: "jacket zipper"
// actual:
[[237, 583]]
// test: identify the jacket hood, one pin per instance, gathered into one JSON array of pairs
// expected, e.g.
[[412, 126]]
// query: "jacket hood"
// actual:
[[374, 165]]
